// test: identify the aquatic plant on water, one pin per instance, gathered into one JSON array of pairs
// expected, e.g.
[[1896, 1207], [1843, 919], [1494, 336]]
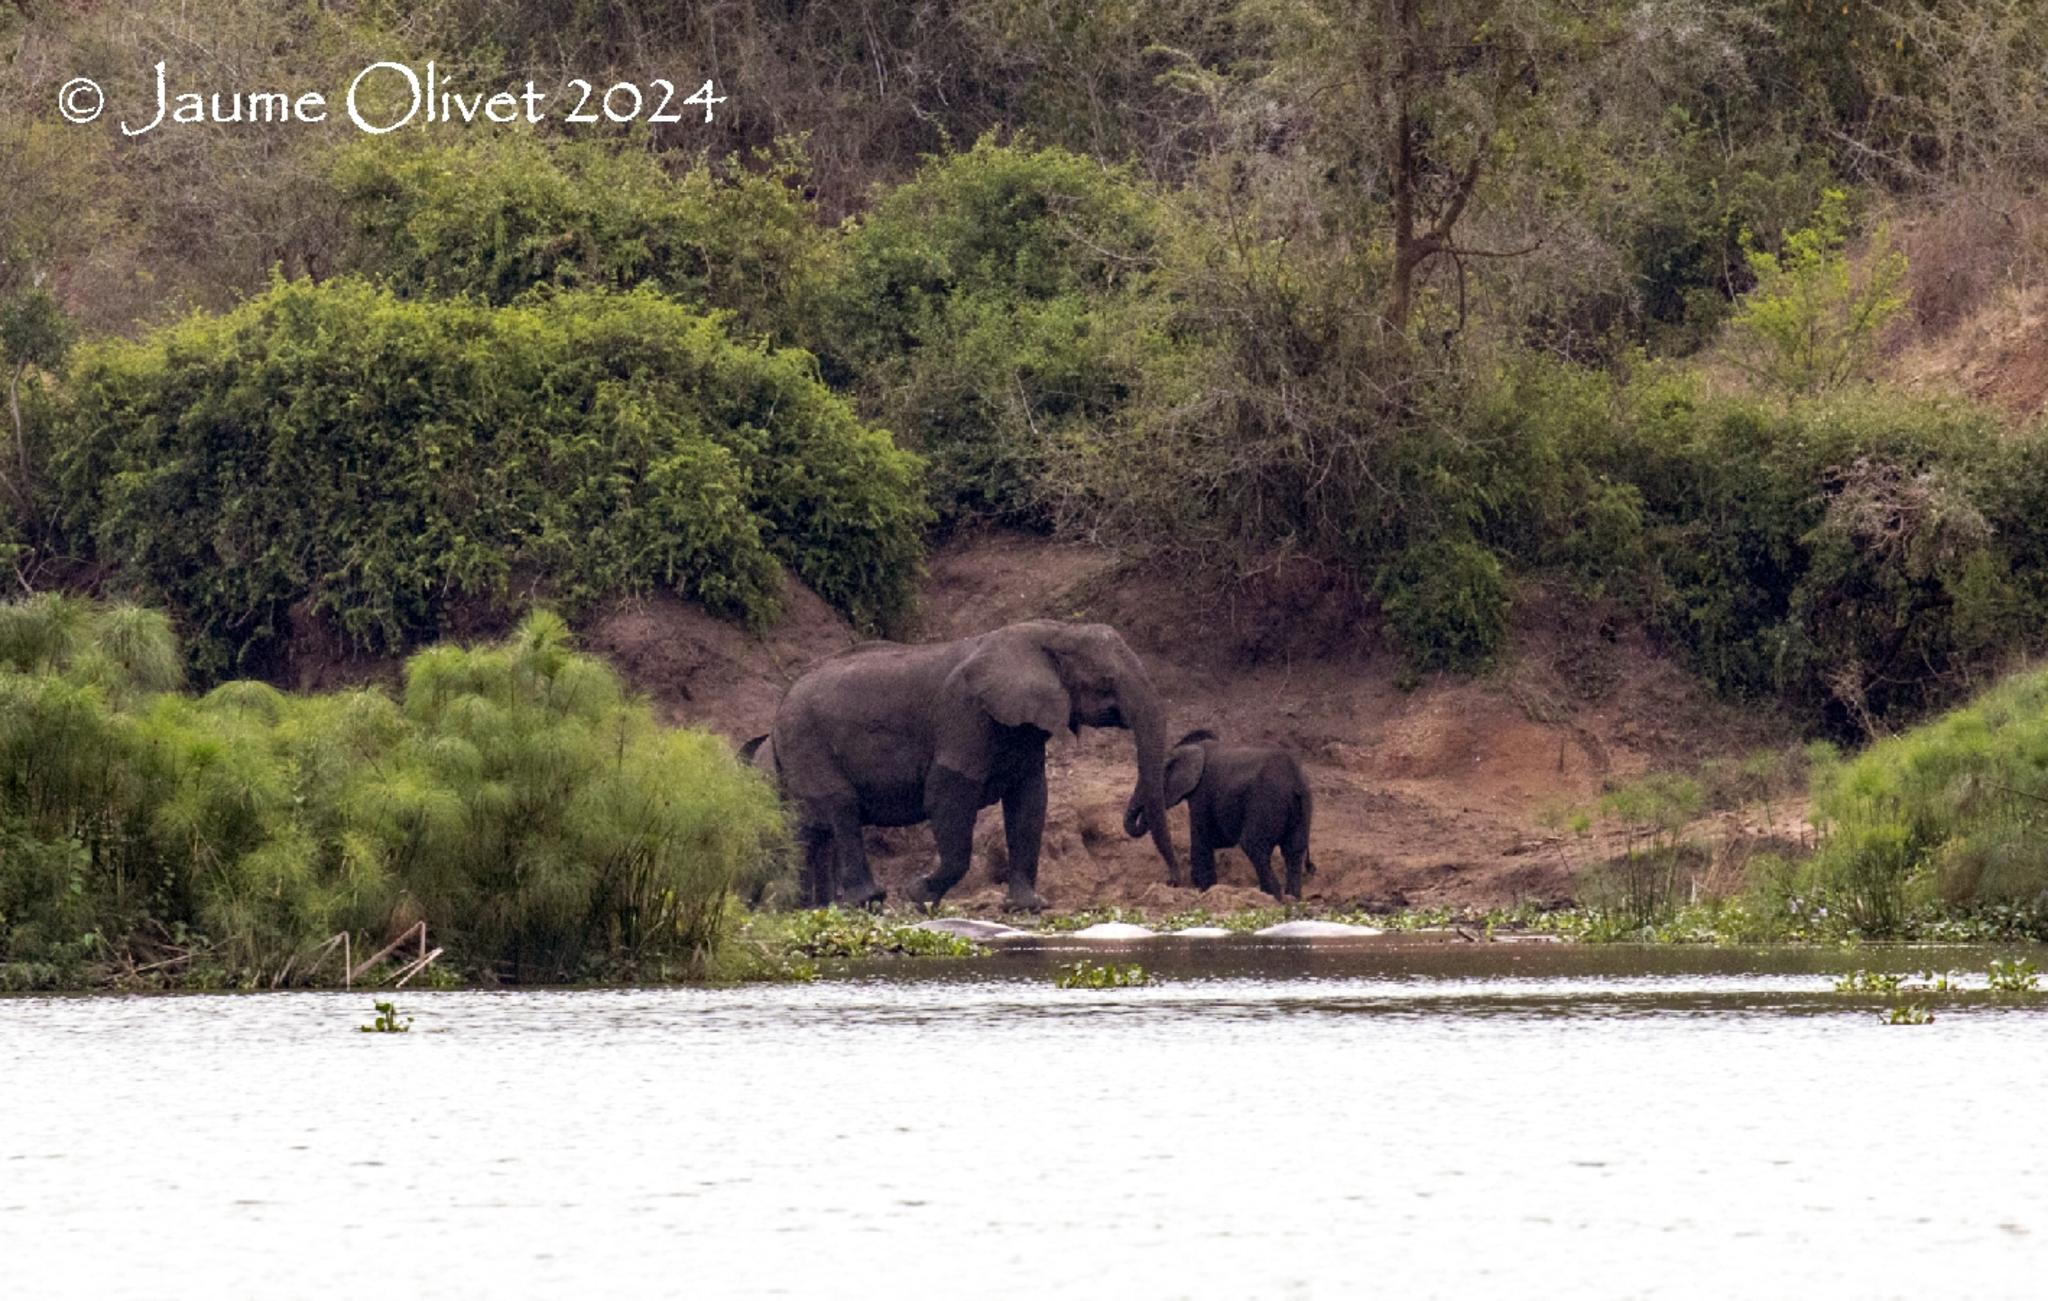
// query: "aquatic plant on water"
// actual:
[[1869, 982], [388, 1021], [2014, 976], [1108, 975], [1910, 1014], [851, 933]]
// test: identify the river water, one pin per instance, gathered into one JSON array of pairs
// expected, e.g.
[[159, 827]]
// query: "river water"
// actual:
[[1268, 1121]]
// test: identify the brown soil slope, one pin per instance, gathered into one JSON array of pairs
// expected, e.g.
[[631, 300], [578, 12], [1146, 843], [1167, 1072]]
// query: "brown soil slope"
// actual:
[[1998, 354], [1426, 796]]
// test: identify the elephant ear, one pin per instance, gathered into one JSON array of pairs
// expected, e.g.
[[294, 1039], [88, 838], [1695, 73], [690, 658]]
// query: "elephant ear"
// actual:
[[1015, 683], [1184, 772]]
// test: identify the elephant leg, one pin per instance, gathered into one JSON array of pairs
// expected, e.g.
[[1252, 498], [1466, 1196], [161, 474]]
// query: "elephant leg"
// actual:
[[817, 885], [1023, 830], [1265, 825], [952, 802], [1295, 852], [849, 859], [1201, 862], [1261, 854]]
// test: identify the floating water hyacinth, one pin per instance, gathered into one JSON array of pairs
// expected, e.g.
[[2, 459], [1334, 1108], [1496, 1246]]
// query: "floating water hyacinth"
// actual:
[[2014, 976], [388, 1021], [1089, 975]]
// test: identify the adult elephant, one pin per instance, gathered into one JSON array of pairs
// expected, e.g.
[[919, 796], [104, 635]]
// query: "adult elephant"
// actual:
[[890, 735]]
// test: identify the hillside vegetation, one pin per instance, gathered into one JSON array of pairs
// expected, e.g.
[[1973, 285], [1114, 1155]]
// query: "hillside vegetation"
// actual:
[[1443, 304], [1603, 297]]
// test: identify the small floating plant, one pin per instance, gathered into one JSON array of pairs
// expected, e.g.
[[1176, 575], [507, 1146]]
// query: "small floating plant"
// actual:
[[1869, 982], [2008, 976], [2014, 976], [388, 1021], [1100, 975]]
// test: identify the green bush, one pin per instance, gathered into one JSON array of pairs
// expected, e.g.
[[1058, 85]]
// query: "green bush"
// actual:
[[505, 213], [1447, 602], [332, 452], [538, 819], [1861, 558], [1813, 319], [1685, 215], [973, 314]]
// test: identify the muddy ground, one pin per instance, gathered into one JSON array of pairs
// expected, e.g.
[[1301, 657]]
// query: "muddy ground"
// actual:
[[1446, 793]]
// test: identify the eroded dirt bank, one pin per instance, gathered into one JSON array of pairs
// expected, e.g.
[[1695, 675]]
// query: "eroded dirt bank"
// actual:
[[1435, 795]]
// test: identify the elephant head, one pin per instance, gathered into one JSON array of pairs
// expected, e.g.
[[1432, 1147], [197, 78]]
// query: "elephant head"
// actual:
[[1184, 764], [1057, 675]]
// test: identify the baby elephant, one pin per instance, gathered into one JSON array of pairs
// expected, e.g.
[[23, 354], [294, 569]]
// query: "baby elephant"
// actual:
[[1251, 796]]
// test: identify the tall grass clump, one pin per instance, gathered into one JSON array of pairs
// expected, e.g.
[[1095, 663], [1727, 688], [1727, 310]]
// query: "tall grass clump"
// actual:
[[1643, 885], [333, 459], [1946, 816], [564, 824], [516, 799]]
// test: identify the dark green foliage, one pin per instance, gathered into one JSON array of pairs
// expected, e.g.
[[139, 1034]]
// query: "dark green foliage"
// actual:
[[36, 338], [538, 819], [1447, 602], [332, 452], [505, 213], [33, 330], [972, 314], [1840, 555], [1692, 194]]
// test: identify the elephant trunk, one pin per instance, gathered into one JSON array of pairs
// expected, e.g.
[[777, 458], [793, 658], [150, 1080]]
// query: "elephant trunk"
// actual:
[[1146, 811]]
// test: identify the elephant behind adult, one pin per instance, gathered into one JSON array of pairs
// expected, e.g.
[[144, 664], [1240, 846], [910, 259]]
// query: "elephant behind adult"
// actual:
[[1255, 797], [890, 735]]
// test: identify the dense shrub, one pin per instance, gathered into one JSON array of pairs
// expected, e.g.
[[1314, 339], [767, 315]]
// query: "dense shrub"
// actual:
[[1267, 414], [517, 800], [331, 451], [972, 314], [1845, 555], [1447, 602], [505, 213]]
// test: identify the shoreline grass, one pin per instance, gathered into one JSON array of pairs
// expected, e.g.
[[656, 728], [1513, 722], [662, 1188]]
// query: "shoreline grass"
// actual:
[[818, 944]]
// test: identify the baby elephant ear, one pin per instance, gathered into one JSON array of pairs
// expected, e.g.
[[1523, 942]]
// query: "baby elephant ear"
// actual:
[[1014, 682], [1184, 772]]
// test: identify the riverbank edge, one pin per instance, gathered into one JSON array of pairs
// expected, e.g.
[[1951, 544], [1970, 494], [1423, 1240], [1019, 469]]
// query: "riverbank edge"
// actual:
[[807, 945]]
